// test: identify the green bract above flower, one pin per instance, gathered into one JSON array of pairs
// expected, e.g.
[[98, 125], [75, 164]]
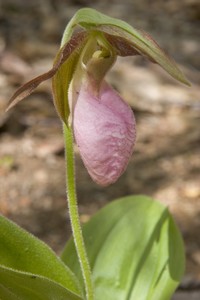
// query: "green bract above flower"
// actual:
[[113, 37]]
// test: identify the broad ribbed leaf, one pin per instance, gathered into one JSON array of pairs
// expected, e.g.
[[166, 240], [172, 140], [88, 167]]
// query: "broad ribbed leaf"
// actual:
[[15, 285], [21, 251], [135, 251]]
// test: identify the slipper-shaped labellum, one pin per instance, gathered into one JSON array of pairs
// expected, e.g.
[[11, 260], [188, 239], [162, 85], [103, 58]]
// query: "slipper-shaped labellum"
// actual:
[[104, 130]]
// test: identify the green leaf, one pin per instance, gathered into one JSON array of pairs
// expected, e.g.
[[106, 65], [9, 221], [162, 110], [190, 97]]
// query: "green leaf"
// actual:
[[22, 251], [15, 285], [124, 37], [135, 251]]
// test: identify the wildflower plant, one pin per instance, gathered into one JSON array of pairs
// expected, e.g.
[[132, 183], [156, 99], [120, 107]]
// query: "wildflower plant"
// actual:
[[131, 249]]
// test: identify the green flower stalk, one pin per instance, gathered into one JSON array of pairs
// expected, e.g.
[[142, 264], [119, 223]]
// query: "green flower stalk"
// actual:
[[100, 121]]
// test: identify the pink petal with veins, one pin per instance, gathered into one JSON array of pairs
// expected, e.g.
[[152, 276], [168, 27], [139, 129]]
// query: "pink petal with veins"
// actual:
[[104, 130]]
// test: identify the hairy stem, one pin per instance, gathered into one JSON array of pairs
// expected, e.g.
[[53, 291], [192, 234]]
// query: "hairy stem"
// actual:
[[73, 212]]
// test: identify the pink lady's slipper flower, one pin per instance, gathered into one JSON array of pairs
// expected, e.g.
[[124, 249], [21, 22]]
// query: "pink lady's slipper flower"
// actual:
[[103, 123]]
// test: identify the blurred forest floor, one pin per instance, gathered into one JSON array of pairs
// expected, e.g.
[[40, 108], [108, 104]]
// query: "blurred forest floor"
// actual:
[[165, 164]]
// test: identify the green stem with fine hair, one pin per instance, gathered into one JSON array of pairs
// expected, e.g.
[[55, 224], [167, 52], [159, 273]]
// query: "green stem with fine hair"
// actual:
[[73, 212]]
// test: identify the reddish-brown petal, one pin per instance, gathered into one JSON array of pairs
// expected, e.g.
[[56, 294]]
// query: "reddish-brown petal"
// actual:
[[26, 89]]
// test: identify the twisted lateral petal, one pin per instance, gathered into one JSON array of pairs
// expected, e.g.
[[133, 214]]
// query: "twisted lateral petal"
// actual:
[[104, 130]]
